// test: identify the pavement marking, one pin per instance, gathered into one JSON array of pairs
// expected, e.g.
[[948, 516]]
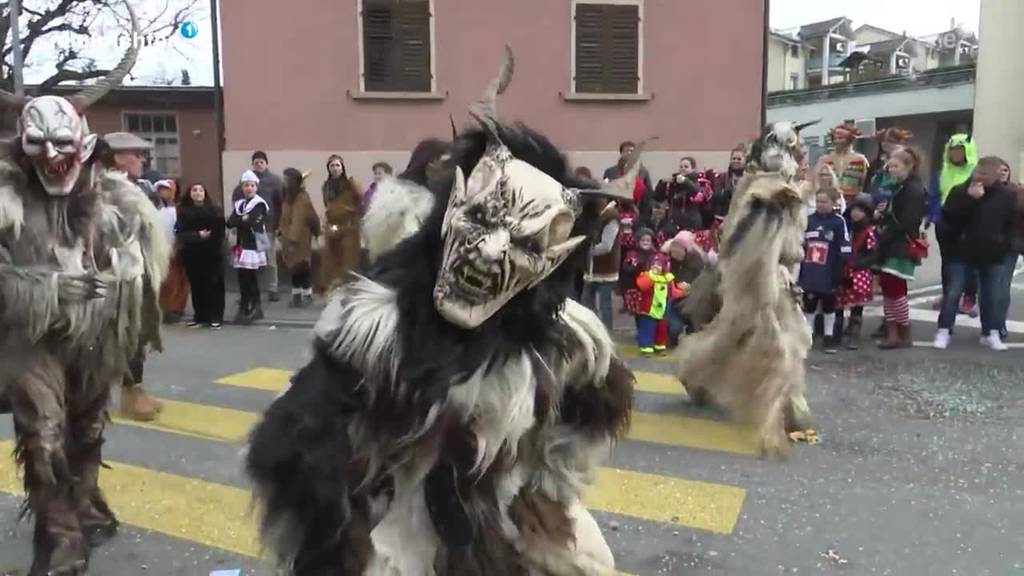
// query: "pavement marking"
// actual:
[[269, 379], [701, 505], [274, 380], [193, 510], [219, 516], [198, 420], [233, 426], [698, 433], [655, 383]]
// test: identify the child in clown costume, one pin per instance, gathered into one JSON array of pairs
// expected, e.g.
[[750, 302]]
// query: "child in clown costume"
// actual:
[[657, 287]]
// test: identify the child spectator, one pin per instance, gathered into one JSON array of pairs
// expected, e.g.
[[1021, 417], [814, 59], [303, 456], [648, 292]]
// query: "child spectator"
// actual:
[[636, 262], [856, 289], [249, 218], [657, 287], [629, 222], [826, 246]]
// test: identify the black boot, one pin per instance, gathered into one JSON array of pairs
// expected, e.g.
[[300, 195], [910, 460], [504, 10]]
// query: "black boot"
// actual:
[[243, 307], [296, 301], [256, 313], [853, 334], [831, 344]]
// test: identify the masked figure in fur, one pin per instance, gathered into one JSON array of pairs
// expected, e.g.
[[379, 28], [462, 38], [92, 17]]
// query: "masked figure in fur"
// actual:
[[74, 251], [457, 403], [749, 354]]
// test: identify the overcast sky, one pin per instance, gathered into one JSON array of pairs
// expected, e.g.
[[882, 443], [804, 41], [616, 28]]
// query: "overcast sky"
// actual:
[[165, 61], [916, 17]]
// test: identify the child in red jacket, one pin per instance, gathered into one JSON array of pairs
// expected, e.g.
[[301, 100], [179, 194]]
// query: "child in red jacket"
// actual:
[[657, 287]]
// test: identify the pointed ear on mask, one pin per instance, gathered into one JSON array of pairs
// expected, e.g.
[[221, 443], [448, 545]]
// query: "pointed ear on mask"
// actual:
[[555, 255], [88, 147]]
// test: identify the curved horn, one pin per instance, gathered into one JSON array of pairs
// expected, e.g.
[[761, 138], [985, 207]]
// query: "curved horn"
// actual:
[[800, 127], [622, 187], [91, 94], [484, 109]]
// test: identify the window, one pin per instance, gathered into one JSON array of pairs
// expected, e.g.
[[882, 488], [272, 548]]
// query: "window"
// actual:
[[397, 42], [794, 51], [794, 81], [161, 130], [606, 47]]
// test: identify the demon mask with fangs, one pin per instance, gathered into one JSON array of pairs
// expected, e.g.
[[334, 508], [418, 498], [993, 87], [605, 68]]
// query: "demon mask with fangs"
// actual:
[[54, 134], [508, 226]]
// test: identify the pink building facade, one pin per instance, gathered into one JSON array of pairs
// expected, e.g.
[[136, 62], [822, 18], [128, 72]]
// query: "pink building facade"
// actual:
[[370, 78]]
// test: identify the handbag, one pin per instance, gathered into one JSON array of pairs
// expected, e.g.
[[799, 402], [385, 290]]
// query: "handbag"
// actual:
[[917, 248]]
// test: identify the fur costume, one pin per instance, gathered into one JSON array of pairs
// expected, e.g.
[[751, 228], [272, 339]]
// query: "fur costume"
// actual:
[[81, 262], [434, 432], [750, 354]]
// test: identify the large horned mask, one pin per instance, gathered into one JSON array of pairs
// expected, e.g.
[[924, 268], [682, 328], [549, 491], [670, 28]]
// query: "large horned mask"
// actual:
[[780, 148], [508, 226], [54, 133]]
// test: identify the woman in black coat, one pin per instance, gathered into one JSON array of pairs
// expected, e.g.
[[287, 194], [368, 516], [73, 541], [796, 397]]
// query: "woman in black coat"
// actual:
[[900, 225], [200, 232]]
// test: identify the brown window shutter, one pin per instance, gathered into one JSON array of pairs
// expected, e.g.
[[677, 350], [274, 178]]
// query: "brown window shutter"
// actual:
[[607, 48], [396, 44]]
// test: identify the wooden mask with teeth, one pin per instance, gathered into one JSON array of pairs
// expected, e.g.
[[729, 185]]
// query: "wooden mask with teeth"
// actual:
[[507, 227], [53, 130]]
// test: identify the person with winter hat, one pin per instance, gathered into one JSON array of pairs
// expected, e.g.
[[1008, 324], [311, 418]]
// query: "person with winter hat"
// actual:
[[658, 288], [855, 290], [249, 218]]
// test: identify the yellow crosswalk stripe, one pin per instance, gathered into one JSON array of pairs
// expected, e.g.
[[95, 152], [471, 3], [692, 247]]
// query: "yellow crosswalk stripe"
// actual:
[[275, 380], [269, 379], [198, 420], [194, 510], [227, 425], [219, 516], [711, 507]]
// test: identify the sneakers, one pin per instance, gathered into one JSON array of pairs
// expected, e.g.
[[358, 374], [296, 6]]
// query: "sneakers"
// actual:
[[968, 307], [994, 342], [941, 339], [215, 326], [193, 324]]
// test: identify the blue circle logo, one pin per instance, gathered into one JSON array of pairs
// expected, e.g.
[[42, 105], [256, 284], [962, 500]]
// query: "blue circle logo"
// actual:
[[189, 29]]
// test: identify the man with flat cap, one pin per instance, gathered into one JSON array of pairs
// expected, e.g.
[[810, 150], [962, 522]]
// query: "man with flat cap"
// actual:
[[126, 153]]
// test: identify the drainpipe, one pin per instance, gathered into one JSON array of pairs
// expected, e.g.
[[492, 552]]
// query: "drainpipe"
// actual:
[[764, 65], [218, 99]]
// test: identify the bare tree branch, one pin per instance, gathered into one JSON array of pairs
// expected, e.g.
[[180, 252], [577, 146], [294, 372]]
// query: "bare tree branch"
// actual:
[[67, 75]]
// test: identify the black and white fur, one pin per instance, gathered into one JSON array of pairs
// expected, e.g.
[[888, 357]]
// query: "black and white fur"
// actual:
[[408, 446]]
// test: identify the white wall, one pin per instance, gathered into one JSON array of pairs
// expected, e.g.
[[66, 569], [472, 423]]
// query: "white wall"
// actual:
[[999, 114]]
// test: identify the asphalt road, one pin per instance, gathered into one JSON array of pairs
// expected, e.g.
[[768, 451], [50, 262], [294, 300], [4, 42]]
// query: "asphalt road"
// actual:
[[920, 469]]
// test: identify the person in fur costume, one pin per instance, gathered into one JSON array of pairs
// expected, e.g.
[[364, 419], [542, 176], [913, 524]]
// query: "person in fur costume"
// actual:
[[82, 258], [457, 402], [749, 354]]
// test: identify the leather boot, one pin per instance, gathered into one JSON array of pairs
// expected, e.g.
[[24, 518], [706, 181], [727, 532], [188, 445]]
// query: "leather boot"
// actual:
[[296, 301], [853, 334], [906, 339], [896, 337], [256, 313], [137, 405]]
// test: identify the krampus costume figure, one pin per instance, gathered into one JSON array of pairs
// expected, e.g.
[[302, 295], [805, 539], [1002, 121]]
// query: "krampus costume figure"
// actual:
[[457, 403], [74, 251], [749, 357]]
